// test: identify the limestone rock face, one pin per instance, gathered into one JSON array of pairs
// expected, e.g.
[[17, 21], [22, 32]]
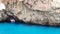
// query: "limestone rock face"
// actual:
[[55, 3], [3, 16], [44, 12], [42, 5]]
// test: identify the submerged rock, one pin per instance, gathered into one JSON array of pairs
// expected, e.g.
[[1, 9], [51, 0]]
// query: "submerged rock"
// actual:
[[44, 12]]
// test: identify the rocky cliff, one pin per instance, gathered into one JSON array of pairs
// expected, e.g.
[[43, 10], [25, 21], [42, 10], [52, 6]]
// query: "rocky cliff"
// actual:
[[44, 12]]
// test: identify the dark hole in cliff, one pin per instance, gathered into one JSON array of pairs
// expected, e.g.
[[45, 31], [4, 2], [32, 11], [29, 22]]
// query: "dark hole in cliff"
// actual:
[[17, 21], [11, 16]]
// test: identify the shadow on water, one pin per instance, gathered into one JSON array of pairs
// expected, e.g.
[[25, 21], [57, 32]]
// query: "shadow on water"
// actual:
[[29, 24]]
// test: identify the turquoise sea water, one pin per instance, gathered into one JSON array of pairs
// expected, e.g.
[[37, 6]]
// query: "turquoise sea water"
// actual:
[[9, 28]]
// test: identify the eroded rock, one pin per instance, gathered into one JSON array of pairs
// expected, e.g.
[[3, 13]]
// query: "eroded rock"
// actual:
[[44, 12], [55, 4]]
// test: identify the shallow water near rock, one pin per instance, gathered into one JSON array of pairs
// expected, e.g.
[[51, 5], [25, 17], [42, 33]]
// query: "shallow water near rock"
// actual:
[[10, 28]]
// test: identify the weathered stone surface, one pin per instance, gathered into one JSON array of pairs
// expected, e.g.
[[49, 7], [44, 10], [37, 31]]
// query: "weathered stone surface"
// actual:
[[42, 5], [55, 3], [44, 12], [3, 16]]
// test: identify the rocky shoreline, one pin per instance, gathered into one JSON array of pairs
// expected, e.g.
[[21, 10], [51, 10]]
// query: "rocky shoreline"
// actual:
[[43, 12]]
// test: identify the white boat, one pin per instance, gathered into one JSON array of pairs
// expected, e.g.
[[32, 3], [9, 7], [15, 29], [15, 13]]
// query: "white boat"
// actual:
[[12, 20]]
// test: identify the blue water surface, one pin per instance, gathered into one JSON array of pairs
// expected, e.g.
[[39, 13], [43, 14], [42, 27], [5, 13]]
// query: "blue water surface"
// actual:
[[9, 28]]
